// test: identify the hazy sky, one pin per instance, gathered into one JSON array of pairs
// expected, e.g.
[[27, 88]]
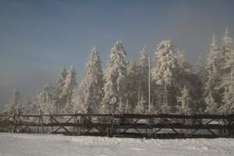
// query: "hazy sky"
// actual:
[[39, 37]]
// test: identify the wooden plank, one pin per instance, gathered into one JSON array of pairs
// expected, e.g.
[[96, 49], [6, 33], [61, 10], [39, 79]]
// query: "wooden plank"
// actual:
[[120, 124]]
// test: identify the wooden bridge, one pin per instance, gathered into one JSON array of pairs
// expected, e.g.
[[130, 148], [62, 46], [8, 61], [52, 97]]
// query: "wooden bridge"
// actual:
[[122, 125]]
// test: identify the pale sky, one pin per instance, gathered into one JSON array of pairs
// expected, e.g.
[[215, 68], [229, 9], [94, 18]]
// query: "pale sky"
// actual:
[[39, 37]]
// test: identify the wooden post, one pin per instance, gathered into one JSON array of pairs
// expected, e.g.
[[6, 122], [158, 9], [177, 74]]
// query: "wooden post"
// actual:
[[41, 121], [15, 123], [149, 87]]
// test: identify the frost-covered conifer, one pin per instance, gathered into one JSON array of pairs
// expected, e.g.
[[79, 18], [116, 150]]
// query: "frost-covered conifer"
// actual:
[[68, 90], [46, 100], [34, 105], [90, 91], [138, 84], [115, 87], [166, 64], [15, 105], [59, 92], [212, 106], [227, 40], [228, 100], [166, 75], [64, 91], [171, 73], [133, 86], [220, 64], [214, 62], [28, 107], [228, 85], [185, 102]]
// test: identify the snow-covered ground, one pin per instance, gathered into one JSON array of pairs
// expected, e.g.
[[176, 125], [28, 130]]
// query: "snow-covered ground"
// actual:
[[58, 145]]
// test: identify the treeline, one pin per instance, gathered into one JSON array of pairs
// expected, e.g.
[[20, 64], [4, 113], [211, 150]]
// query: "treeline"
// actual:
[[124, 87]]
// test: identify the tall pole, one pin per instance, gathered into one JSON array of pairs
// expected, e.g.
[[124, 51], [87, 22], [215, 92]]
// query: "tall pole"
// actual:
[[232, 77], [149, 87]]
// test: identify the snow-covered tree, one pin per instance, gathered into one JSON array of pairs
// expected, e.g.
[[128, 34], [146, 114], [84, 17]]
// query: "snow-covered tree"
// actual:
[[21, 105], [212, 106], [166, 67], [28, 107], [115, 87], [228, 99], [60, 99], [46, 100], [228, 79], [185, 102], [90, 91], [15, 103], [33, 105], [68, 90], [165, 75], [64, 91], [133, 86], [213, 96], [227, 40], [228, 53], [170, 74], [142, 104], [220, 64], [138, 73]]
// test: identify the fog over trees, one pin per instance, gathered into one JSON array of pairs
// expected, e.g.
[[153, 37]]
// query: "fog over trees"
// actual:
[[123, 86]]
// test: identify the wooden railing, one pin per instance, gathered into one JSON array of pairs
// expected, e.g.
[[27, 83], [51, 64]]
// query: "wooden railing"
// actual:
[[122, 125]]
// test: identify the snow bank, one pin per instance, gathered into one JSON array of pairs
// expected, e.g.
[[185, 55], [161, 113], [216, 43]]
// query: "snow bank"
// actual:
[[58, 145]]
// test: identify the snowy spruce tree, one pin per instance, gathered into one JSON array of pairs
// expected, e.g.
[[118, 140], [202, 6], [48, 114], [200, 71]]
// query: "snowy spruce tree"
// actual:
[[185, 102], [228, 99], [28, 106], [142, 103], [46, 100], [15, 103], [59, 96], [68, 90], [219, 68], [171, 73], [64, 91], [227, 40], [133, 86], [228, 80], [33, 105], [165, 76], [115, 87], [213, 94], [90, 91], [138, 84]]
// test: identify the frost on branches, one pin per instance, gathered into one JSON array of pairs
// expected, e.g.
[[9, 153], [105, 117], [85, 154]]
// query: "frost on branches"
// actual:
[[124, 88], [68, 90], [58, 98], [115, 87], [171, 73], [228, 84], [59, 92], [91, 88], [64, 91], [218, 87], [15, 103], [46, 100], [138, 73], [185, 102]]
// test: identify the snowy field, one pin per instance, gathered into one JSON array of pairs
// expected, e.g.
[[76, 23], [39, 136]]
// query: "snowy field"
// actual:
[[58, 145]]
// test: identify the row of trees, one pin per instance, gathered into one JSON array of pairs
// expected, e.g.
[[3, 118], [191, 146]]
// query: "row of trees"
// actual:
[[124, 87]]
